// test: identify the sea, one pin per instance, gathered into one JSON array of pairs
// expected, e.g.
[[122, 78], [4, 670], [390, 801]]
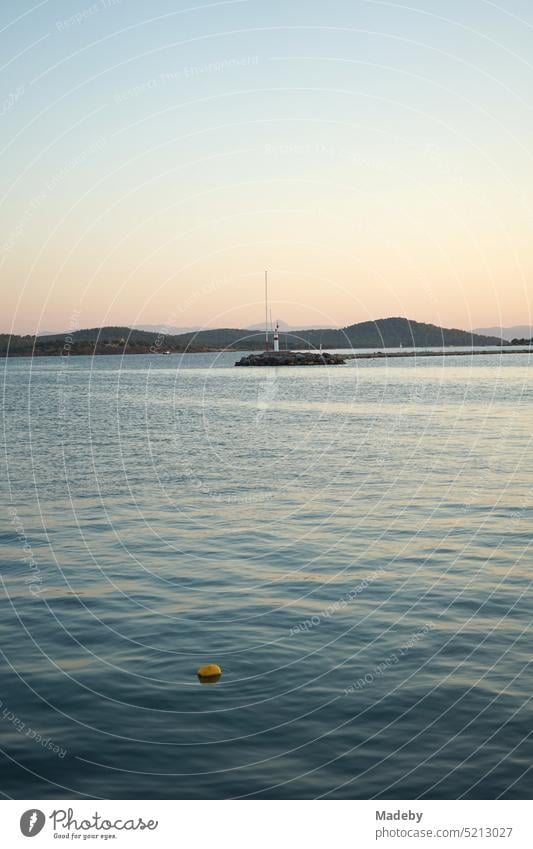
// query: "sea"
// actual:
[[351, 544]]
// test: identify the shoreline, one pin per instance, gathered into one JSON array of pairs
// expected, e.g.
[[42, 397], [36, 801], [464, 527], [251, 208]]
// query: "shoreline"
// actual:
[[366, 355], [380, 355]]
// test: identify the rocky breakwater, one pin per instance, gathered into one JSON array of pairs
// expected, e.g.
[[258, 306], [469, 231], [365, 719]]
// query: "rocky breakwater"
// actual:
[[292, 358]]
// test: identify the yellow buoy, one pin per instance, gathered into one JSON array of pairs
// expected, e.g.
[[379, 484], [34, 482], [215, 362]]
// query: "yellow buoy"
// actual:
[[210, 673]]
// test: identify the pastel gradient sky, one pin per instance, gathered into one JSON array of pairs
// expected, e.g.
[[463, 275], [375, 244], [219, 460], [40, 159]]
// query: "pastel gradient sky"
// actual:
[[376, 157]]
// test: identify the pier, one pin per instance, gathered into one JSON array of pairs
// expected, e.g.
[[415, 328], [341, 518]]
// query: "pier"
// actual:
[[324, 358]]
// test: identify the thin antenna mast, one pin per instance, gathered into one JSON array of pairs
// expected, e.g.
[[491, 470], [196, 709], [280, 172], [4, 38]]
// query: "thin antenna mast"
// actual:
[[266, 310]]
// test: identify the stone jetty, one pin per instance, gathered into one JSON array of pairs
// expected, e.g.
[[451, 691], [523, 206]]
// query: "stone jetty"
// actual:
[[292, 358], [323, 358]]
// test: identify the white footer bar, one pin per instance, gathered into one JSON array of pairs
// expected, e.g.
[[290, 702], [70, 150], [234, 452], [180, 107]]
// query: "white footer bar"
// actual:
[[267, 824]]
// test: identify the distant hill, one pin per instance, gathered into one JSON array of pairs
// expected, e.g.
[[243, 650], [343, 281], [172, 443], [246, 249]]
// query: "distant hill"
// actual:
[[126, 340], [102, 334], [261, 326], [518, 331], [162, 328], [288, 328], [396, 332], [383, 333], [99, 340]]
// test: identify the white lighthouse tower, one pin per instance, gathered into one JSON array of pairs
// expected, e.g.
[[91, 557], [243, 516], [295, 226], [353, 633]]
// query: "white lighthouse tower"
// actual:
[[276, 337]]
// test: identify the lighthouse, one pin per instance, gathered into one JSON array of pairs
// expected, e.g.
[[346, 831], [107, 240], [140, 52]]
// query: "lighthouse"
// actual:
[[267, 324]]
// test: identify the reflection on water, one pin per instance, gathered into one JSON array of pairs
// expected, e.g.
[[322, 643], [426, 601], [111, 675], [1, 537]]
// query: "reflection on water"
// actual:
[[351, 545]]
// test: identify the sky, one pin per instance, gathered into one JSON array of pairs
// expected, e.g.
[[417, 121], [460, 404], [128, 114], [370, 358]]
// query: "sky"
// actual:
[[374, 156]]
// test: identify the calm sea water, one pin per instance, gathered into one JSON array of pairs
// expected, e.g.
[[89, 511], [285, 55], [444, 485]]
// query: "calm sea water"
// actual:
[[352, 545]]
